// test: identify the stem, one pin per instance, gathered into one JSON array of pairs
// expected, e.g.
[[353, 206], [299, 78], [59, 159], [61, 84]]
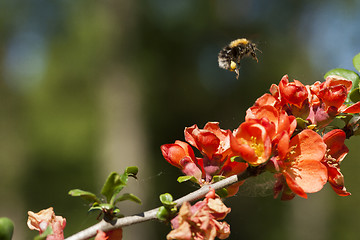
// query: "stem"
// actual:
[[151, 214]]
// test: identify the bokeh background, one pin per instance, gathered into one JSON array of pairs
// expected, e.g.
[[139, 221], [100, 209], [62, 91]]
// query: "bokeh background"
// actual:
[[90, 87]]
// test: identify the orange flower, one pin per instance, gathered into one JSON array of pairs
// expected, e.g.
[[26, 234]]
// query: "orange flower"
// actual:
[[279, 120], [299, 161], [294, 93], [252, 142], [41, 220], [181, 155], [212, 142], [199, 222], [336, 152], [333, 92], [214, 145]]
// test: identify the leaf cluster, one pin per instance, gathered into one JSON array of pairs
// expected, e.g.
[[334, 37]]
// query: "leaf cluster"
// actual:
[[113, 185], [168, 209]]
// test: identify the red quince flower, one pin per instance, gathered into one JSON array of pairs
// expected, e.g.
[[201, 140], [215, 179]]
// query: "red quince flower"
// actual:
[[181, 155], [299, 161], [214, 145], [294, 93], [212, 142], [252, 142], [279, 120], [110, 235], [267, 99], [41, 220], [200, 221], [333, 92], [336, 152]]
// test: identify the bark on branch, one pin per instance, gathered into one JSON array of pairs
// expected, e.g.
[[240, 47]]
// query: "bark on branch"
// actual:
[[151, 214]]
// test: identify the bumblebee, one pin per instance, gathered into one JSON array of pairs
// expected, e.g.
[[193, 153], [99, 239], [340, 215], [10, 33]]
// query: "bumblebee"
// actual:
[[229, 57]]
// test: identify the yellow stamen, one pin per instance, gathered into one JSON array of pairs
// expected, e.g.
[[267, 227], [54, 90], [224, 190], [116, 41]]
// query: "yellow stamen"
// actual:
[[258, 148]]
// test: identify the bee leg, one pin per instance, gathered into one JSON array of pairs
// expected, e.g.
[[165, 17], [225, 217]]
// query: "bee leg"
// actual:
[[254, 56], [237, 73]]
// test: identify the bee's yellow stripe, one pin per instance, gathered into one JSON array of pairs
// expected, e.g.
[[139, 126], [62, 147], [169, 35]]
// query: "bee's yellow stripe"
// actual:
[[238, 42]]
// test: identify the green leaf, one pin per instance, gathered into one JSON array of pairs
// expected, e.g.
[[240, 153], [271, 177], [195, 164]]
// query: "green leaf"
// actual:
[[222, 192], [355, 95], [43, 236], [102, 207], [88, 196], [301, 123], [356, 62], [348, 74], [186, 178], [128, 196], [237, 159], [218, 178], [113, 185], [6, 228], [166, 199], [132, 171], [94, 207], [162, 214]]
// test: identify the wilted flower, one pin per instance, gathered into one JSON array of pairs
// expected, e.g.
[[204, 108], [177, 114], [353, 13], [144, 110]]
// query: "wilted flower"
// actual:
[[41, 220], [199, 222]]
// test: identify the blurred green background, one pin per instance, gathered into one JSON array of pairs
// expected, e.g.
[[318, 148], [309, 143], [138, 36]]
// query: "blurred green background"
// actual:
[[90, 87]]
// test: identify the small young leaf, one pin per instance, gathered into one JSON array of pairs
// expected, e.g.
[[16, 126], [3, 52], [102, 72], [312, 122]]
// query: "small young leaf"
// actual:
[[128, 196], [166, 199], [132, 171], [218, 178], [301, 123], [43, 236], [115, 193], [162, 214], [106, 206], [112, 186], [237, 159], [94, 207], [356, 62], [88, 196], [222, 192], [355, 95], [186, 178]]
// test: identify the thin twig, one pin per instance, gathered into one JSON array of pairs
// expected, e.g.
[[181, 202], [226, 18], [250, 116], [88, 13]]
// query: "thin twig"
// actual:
[[151, 214]]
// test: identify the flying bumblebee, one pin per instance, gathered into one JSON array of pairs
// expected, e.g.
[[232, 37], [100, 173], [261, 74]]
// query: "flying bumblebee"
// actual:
[[229, 57]]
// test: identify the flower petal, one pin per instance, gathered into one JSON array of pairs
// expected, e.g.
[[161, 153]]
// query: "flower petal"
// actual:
[[307, 145], [309, 175]]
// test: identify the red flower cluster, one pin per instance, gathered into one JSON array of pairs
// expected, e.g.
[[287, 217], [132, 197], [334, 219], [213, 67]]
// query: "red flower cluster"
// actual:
[[301, 159], [200, 221], [214, 145]]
